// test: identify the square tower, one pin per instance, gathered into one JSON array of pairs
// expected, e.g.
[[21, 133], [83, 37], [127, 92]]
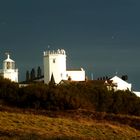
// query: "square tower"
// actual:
[[54, 65]]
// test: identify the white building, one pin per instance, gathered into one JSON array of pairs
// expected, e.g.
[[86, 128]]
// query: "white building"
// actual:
[[136, 93], [76, 75], [55, 65], [8, 71], [121, 84]]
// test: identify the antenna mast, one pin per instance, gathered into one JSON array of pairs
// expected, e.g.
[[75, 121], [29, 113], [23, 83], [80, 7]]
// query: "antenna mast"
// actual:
[[7, 54]]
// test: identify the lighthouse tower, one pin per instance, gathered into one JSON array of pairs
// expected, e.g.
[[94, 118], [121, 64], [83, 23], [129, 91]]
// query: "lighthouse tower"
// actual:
[[9, 70], [54, 65]]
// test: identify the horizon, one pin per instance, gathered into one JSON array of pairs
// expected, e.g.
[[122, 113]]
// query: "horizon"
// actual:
[[90, 76], [100, 36]]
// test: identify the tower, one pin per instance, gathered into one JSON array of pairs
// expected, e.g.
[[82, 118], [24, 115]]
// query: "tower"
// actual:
[[9, 70], [54, 65]]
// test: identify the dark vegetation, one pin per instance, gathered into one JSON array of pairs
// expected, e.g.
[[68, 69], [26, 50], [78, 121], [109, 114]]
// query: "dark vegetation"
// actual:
[[33, 75], [69, 96]]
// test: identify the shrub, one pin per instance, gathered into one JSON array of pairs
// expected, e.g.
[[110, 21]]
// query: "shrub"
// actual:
[[70, 96]]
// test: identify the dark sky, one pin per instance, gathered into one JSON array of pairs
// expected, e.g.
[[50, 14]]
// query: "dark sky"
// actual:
[[102, 36]]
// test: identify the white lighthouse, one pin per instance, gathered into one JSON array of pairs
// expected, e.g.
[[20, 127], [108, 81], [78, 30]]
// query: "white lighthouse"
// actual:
[[9, 71], [54, 65]]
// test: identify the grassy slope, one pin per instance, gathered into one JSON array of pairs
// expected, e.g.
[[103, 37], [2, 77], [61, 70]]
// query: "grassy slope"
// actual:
[[31, 126]]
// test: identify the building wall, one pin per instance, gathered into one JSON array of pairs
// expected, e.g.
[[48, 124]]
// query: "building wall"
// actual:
[[121, 84], [11, 74], [54, 63], [137, 93], [78, 75], [9, 71]]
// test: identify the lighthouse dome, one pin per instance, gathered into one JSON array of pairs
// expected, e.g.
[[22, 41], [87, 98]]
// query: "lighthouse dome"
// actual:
[[8, 59], [8, 63]]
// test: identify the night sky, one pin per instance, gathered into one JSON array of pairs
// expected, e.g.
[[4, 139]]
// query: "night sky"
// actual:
[[102, 36]]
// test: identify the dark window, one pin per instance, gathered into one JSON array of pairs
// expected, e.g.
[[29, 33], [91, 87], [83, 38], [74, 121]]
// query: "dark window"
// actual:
[[8, 65], [53, 60]]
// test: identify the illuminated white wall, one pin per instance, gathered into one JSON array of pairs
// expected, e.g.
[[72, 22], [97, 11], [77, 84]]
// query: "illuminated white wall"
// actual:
[[9, 71], [11, 74], [54, 63], [78, 75], [137, 93], [121, 84]]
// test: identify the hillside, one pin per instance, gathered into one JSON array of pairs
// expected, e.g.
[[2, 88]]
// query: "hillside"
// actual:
[[67, 111], [80, 124]]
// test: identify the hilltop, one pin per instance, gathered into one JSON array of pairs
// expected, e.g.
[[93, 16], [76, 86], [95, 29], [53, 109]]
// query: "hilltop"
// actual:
[[67, 111]]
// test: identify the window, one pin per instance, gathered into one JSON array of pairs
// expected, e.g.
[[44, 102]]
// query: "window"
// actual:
[[8, 65], [54, 60]]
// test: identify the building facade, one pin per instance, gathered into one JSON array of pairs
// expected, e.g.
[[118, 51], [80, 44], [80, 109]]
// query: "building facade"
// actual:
[[9, 71], [121, 84], [55, 65]]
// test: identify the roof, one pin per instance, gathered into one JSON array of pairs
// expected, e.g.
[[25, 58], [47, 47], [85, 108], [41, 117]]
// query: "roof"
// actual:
[[118, 79], [70, 81], [80, 69], [102, 82], [8, 59], [94, 82], [137, 93]]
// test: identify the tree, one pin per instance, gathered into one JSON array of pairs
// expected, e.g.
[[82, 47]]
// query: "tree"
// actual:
[[52, 81], [38, 72], [32, 74], [124, 77], [27, 76]]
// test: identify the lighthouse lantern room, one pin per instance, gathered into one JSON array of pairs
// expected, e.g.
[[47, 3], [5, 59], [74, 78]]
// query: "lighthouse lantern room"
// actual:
[[9, 71]]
